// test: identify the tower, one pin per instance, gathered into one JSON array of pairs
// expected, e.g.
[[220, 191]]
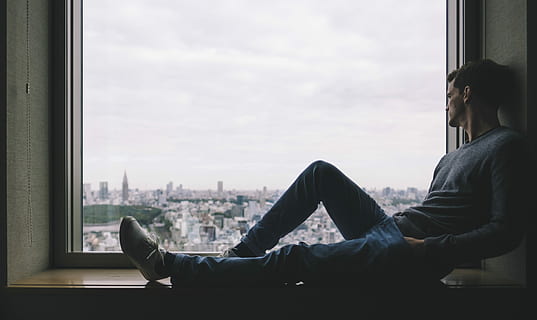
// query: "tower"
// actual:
[[220, 188], [169, 188], [103, 190], [125, 189]]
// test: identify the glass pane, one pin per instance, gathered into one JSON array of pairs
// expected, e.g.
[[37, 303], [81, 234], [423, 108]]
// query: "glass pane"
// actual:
[[197, 115]]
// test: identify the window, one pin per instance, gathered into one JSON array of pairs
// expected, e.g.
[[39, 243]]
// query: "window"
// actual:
[[195, 116]]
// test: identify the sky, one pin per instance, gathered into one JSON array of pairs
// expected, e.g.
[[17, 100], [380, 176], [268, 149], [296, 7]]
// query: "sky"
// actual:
[[251, 92]]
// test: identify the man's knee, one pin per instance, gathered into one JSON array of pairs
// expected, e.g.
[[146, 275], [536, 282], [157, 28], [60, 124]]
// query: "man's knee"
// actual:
[[323, 167]]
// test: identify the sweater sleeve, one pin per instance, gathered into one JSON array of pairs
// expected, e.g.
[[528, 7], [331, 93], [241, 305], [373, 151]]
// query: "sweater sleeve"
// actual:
[[509, 205]]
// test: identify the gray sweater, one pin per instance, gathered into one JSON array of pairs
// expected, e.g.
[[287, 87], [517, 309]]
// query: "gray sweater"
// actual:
[[477, 202]]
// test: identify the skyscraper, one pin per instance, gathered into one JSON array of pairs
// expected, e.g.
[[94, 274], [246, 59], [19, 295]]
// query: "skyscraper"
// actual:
[[125, 189], [87, 194], [103, 190], [220, 188], [263, 198], [169, 188]]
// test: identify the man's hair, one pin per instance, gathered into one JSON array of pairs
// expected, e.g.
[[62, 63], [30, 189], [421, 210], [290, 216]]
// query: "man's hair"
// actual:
[[491, 82]]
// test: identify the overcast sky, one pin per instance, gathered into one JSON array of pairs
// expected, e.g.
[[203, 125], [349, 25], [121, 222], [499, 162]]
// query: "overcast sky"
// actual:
[[251, 92]]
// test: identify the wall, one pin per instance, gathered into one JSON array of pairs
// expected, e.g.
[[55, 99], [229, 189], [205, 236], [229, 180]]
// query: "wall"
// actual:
[[28, 238], [504, 39]]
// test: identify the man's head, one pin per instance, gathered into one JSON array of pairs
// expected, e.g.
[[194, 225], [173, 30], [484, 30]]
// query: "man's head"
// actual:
[[481, 83]]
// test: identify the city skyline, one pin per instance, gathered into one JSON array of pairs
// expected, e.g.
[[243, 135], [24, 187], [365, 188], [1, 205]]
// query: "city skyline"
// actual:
[[209, 220], [219, 187]]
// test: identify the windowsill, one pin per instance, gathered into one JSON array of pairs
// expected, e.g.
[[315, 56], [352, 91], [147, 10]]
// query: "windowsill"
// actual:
[[132, 279], [89, 278], [477, 278]]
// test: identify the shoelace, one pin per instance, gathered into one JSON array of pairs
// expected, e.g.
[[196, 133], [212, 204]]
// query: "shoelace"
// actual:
[[154, 244], [150, 254]]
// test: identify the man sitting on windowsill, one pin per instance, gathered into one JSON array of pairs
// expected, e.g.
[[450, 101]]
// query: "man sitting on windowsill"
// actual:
[[475, 208]]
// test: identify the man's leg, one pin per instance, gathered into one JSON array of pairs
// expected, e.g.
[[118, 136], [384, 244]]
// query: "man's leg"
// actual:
[[351, 209], [381, 254]]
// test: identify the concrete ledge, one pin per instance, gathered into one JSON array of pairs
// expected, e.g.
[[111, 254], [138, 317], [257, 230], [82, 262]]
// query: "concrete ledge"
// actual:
[[88, 278], [131, 278], [125, 294], [477, 278]]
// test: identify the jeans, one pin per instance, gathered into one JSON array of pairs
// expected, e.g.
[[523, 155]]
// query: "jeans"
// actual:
[[374, 248]]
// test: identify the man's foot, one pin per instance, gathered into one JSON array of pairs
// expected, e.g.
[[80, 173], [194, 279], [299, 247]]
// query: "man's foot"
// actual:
[[141, 248]]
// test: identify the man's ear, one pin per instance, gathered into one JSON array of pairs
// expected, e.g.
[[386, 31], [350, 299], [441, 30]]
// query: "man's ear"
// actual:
[[467, 94]]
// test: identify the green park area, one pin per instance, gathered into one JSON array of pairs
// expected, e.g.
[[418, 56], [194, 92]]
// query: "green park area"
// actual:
[[106, 213]]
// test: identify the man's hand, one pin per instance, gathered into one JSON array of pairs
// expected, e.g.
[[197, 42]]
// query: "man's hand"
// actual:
[[417, 245]]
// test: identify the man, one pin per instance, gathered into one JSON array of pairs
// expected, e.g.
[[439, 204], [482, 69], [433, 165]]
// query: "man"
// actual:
[[475, 209]]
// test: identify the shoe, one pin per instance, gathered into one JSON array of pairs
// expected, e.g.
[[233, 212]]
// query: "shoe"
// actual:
[[228, 253], [141, 248]]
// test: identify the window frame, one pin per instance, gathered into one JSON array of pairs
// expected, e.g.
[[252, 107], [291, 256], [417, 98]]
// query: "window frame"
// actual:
[[66, 119], [462, 44]]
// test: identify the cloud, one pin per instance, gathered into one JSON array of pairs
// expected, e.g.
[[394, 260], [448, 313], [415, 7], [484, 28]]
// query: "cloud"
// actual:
[[192, 91]]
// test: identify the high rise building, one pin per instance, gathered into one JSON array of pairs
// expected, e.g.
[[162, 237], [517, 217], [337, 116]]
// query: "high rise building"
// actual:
[[240, 199], [207, 232], [169, 188], [103, 190], [386, 192], [263, 198], [220, 188], [87, 194], [125, 189], [252, 209], [162, 198]]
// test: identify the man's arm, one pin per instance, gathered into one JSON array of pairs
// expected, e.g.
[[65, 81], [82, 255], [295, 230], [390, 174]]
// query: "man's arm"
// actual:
[[509, 207]]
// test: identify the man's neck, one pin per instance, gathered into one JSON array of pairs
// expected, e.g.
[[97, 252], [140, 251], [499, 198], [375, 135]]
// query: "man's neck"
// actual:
[[480, 133], [478, 125]]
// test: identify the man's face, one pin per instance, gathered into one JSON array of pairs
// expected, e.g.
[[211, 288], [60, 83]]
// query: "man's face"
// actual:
[[455, 106]]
